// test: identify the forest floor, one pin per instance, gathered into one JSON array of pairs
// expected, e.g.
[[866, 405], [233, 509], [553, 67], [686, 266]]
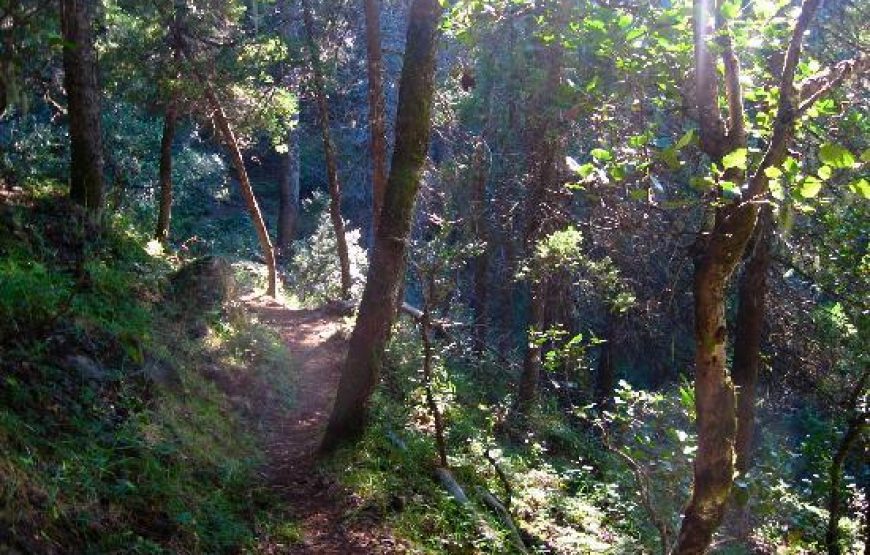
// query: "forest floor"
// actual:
[[331, 520]]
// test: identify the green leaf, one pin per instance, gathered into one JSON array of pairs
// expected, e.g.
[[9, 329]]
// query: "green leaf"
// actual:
[[730, 189], [601, 154], [824, 173], [735, 159], [810, 187], [865, 156], [861, 187], [773, 172], [730, 10], [836, 156], [685, 139], [585, 170]]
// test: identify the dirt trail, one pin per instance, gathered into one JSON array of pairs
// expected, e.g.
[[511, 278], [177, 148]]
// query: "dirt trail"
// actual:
[[318, 503]]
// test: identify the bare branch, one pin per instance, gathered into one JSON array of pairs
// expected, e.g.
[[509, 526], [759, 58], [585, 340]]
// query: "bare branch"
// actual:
[[822, 83]]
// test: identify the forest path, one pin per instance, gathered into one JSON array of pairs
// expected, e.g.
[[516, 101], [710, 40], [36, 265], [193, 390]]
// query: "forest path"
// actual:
[[318, 503]]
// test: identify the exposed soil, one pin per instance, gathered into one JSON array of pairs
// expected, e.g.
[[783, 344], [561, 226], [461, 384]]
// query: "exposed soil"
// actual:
[[331, 519]]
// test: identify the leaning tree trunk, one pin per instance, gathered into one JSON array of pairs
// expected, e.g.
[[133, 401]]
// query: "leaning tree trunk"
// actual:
[[329, 152], [83, 99], [165, 210], [377, 109], [288, 193], [246, 189], [747, 339], [378, 306]]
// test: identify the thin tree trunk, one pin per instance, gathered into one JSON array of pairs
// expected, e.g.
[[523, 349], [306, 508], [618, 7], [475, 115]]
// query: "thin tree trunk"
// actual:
[[246, 189], [329, 152], [605, 376], [377, 109], [428, 356], [378, 307], [288, 193], [527, 394], [857, 426], [748, 334], [165, 172], [83, 99], [480, 232]]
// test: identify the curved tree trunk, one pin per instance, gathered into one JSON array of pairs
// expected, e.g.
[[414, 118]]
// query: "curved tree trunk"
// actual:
[[748, 334], [328, 151], [378, 307], [245, 186], [288, 193], [717, 252], [165, 209], [377, 109], [83, 99]]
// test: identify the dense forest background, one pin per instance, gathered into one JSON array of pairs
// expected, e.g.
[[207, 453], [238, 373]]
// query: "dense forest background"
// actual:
[[597, 273]]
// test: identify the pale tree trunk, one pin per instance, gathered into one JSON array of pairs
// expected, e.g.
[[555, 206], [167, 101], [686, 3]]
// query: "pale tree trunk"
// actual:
[[378, 307], [165, 209], [717, 252], [83, 100], [328, 151], [748, 333], [377, 109], [246, 189], [288, 193]]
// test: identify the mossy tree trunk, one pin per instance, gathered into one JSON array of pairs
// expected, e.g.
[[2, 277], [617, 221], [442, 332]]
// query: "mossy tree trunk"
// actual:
[[328, 151], [83, 105], [170, 117], [378, 307], [377, 108]]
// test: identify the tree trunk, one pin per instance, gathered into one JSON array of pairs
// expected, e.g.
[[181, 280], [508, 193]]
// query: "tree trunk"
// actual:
[[428, 358], [165, 209], [83, 100], [527, 394], [328, 151], [288, 193], [748, 334], [246, 189], [377, 109], [605, 376], [378, 307], [856, 427], [479, 232]]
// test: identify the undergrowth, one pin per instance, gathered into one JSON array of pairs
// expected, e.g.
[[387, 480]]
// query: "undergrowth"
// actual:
[[119, 425]]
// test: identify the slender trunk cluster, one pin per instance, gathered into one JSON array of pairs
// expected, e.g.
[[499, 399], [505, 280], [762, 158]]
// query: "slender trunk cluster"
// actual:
[[328, 151], [83, 100], [378, 307]]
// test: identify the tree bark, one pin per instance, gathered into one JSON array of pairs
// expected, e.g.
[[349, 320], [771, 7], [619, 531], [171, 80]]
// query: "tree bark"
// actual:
[[377, 109], [246, 189], [165, 172], [527, 394], [748, 333], [605, 376], [856, 427], [480, 233], [288, 193], [717, 253], [83, 99], [328, 151], [378, 307]]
